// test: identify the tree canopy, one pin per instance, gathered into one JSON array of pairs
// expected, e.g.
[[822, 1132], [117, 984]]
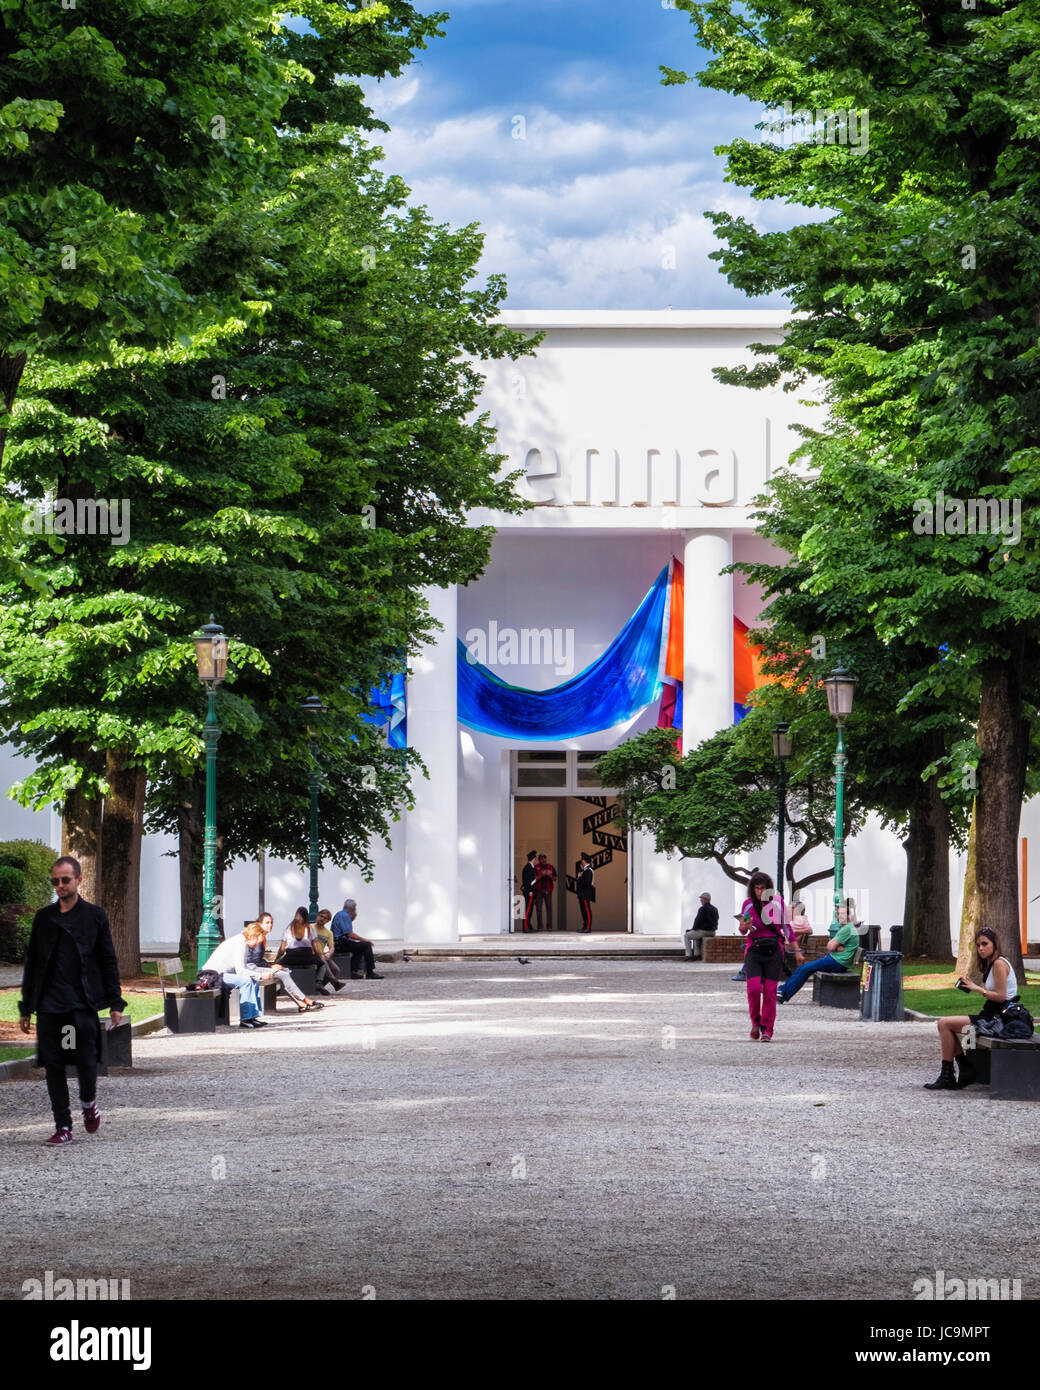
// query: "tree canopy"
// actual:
[[917, 299]]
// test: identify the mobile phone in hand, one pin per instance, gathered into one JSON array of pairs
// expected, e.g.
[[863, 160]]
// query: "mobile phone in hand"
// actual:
[[962, 986]]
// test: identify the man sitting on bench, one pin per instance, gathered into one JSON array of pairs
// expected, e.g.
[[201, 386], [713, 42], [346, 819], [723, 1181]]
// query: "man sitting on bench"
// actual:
[[841, 949]]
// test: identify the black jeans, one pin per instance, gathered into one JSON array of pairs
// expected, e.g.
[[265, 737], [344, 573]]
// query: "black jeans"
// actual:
[[58, 1090], [360, 952]]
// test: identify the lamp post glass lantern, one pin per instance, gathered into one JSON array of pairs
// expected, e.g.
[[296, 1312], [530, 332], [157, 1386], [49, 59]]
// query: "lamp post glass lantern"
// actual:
[[840, 691], [211, 652], [781, 751], [313, 709]]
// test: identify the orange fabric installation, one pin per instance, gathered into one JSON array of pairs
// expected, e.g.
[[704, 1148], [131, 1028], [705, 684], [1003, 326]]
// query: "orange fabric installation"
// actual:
[[747, 660]]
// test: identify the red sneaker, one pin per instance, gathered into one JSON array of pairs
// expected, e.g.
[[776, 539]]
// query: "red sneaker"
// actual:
[[60, 1136], [91, 1118], [754, 1034]]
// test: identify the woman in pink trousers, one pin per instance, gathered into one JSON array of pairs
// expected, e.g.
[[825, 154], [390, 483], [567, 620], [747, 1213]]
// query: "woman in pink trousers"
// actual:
[[765, 918]]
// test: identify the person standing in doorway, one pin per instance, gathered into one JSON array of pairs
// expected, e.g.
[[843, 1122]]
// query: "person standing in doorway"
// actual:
[[586, 890], [545, 882], [527, 882], [71, 973]]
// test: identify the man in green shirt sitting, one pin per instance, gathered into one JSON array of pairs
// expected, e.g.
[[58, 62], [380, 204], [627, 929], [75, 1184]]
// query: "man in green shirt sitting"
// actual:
[[841, 947]]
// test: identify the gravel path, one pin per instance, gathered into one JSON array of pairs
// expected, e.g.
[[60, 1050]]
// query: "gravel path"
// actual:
[[602, 1129]]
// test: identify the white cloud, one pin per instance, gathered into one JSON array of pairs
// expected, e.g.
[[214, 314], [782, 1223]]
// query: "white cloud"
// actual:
[[589, 212], [391, 94]]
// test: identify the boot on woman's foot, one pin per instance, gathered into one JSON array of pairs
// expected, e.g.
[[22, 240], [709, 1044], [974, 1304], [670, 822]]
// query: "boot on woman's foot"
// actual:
[[945, 1081]]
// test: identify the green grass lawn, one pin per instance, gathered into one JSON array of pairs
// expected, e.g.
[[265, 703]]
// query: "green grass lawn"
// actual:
[[141, 1005], [952, 1001], [15, 1054]]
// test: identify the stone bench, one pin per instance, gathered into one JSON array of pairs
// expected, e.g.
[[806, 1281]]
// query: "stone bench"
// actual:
[[1011, 1066], [190, 1010], [836, 990], [227, 1003]]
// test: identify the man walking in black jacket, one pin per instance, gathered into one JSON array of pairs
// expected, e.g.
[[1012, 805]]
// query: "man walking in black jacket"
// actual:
[[71, 973]]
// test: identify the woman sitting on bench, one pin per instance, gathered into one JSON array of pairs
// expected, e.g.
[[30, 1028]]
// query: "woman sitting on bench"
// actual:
[[999, 988], [300, 947], [276, 973]]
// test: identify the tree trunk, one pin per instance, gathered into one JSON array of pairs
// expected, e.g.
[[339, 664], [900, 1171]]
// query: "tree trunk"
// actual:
[[909, 897], [12, 365], [969, 909], [928, 876], [189, 835], [81, 837], [121, 833], [1002, 737]]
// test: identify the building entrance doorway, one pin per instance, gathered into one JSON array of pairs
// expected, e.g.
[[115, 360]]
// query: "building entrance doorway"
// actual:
[[561, 828]]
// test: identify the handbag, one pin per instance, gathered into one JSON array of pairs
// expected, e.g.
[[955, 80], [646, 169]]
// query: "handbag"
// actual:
[[206, 979]]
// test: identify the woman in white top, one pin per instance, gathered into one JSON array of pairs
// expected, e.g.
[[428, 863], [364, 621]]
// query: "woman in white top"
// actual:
[[999, 988], [300, 945]]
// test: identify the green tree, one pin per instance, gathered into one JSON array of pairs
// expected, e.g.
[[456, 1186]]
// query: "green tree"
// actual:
[[918, 301], [304, 481], [719, 801], [908, 753], [131, 136]]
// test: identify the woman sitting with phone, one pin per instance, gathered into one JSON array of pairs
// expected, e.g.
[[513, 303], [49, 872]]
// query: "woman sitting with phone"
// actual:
[[763, 917], [999, 988]]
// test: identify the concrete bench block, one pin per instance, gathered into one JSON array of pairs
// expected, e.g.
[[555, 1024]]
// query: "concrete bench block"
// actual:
[[306, 978], [190, 1011], [116, 1048], [834, 991], [1014, 1067]]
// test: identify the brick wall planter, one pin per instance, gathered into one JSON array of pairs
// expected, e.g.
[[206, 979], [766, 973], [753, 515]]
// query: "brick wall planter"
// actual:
[[730, 949]]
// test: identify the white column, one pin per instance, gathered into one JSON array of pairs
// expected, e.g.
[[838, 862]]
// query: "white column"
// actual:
[[432, 838], [707, 688]]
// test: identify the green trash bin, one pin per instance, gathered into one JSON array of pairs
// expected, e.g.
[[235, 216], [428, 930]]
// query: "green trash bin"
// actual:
[[881, 1000]]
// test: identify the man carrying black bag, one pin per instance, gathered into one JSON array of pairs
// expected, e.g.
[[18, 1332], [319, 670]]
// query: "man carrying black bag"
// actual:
[[71, 973]]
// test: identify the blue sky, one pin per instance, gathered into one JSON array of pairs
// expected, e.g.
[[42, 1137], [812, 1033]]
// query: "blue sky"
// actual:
[[600, 204]]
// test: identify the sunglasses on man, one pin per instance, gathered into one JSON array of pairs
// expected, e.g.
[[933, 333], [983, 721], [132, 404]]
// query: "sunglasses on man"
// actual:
[[65, 878]]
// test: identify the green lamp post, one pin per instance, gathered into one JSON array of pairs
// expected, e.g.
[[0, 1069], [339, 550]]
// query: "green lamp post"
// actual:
[[313, 709], [840, 689], [211, 649], [781, 751]]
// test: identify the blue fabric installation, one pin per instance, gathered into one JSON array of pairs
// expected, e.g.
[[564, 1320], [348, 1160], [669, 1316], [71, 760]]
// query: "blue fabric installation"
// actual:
[[388, 706], [615, 687]]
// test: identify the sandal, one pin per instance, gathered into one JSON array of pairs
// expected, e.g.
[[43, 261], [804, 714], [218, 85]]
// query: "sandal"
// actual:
[[310, 1006]]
